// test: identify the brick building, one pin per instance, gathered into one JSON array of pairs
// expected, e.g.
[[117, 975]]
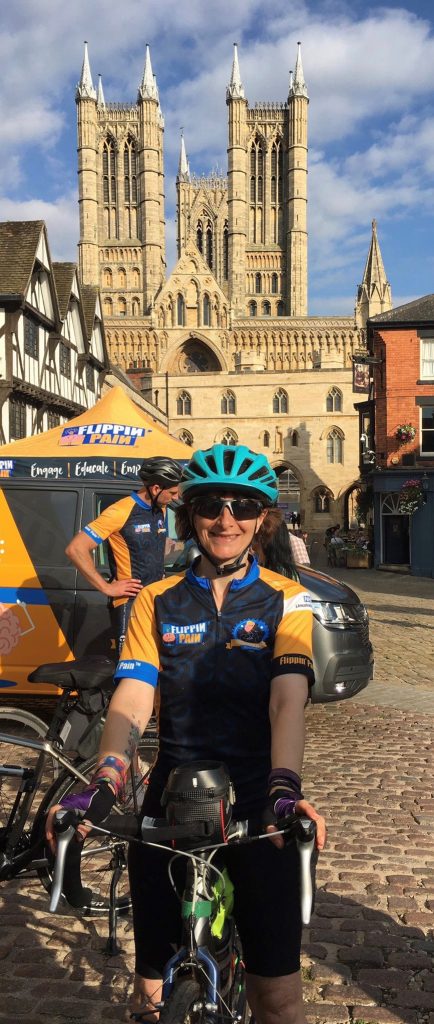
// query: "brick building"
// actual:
[[397, 435]]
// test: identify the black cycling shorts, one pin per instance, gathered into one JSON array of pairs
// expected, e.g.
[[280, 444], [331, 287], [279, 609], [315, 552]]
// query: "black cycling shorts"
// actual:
[[266, 906]]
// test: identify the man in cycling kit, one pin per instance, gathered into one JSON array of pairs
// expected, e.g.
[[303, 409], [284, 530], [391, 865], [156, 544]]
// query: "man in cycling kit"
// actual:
[[230, 645], [135, 528]]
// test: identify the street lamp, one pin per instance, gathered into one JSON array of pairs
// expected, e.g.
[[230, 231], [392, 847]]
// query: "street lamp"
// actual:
[[425, 486]]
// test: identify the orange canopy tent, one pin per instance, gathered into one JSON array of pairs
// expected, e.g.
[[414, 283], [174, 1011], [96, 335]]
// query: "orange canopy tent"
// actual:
[[106, 442]]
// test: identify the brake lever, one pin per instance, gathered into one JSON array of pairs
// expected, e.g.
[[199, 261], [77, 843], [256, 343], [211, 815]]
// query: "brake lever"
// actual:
[[65, 831], [305, 840]]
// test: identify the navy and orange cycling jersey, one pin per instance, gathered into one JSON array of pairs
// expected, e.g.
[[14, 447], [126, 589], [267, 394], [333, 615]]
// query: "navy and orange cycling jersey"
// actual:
[[136, 536], [215, 669]]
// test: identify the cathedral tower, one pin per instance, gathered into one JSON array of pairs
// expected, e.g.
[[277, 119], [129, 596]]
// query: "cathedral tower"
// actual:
[[121, 194]]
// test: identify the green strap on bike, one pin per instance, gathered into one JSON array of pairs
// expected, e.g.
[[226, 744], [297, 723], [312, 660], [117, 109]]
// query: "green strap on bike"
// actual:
[[201, 908], [223, 893], [218, 909]]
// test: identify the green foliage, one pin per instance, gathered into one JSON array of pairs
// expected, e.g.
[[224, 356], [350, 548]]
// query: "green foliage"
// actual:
[[364, 503]]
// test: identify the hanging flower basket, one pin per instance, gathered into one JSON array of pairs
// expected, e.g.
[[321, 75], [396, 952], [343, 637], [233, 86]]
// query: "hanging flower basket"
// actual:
[[405, 432], [411, 497]]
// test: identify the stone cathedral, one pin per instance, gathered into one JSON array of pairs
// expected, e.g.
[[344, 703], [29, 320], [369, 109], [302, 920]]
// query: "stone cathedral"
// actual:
[[225, 345]]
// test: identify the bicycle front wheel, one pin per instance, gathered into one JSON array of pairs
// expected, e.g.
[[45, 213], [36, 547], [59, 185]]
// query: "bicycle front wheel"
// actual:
[[184, 1005], [99, 851], [22, 724]]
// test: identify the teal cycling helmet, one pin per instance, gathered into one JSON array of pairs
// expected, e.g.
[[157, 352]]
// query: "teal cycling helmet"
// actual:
[[232, 468]]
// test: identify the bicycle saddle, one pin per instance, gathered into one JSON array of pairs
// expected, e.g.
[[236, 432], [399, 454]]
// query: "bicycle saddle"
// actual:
[[93, 672]]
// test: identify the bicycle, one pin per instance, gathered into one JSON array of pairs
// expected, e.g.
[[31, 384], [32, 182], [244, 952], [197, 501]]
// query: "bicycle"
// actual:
[[204, 980], [57, 763]]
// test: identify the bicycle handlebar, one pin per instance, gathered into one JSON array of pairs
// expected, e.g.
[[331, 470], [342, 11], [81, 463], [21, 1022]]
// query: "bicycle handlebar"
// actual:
[[127, 827]]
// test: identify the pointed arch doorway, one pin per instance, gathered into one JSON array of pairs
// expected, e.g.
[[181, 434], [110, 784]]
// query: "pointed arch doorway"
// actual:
[[289, 492]]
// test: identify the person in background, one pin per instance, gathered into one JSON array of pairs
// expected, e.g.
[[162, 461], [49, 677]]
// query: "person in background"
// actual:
[[272, 545], [298, 547], [135, 528]]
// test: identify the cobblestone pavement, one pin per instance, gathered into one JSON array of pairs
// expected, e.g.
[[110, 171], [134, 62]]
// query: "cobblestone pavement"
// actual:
[[368, 954], [401, 612]]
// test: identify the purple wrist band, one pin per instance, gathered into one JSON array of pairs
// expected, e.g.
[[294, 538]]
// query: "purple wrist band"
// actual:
[[285, 806], [283, 776], [79, 801]]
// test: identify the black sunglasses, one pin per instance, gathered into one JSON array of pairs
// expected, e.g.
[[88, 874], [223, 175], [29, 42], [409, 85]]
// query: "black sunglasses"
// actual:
[[210, 507]]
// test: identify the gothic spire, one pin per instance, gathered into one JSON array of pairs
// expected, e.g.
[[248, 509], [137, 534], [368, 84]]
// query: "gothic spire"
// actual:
[[100, 102], [374, 294], [85, 89], [148, 87], [183, 166], [298, 85], [235, 89]]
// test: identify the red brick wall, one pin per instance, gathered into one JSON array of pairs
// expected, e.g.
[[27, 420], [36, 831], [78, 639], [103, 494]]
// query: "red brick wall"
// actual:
[[396, 390]]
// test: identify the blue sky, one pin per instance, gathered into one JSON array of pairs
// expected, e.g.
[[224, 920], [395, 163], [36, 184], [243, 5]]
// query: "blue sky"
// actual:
[[370, 76]]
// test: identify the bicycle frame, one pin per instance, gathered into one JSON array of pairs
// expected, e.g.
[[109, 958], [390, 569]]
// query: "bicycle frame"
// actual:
[[12, 863], [196, 911]]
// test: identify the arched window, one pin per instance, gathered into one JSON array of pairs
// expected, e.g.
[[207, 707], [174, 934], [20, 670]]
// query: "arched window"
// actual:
[[130, 171], [252, 308], [135, 307], [334, 400], [266, 309], [274, 284], [108, 279], [281, 309], [229, 437], [206, 311], [225, 252], [199, 236], [136, 277], [335, 446], [122, 307], [122, 278], [183, 404], [294, 439], [258, 284], [228, 404], [266, 441], [186, 438], [321, 499], [180, 310], [108, 306], [280, 401], [109, 185], [209, 245]]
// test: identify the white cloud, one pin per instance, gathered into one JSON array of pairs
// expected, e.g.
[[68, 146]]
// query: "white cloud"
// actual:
[[371, 114], [61, 218]]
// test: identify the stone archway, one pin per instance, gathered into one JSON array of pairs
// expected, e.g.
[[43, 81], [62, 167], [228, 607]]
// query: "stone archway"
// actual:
[[194, 355]]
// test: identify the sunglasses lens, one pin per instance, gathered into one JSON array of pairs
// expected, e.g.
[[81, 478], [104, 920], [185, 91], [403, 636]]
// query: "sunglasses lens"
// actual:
[[245, 508], [209, 508], [240, 508]]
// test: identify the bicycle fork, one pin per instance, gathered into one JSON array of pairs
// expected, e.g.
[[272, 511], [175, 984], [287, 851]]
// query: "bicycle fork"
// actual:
[[196, 910]]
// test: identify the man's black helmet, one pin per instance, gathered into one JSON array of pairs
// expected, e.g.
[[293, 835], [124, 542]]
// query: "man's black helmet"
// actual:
[[160, 470]]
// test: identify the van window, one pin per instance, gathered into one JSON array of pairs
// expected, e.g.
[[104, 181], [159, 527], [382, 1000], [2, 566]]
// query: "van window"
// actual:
[[46, 521]]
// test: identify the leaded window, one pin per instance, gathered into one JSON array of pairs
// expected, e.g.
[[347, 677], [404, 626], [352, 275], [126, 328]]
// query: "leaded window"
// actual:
[[17, 418], [183, 404], [228, 404], [334, 400], [335, 447], [90, 377], [280, 401], [31, 337], [229, 437], [65, 359]]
